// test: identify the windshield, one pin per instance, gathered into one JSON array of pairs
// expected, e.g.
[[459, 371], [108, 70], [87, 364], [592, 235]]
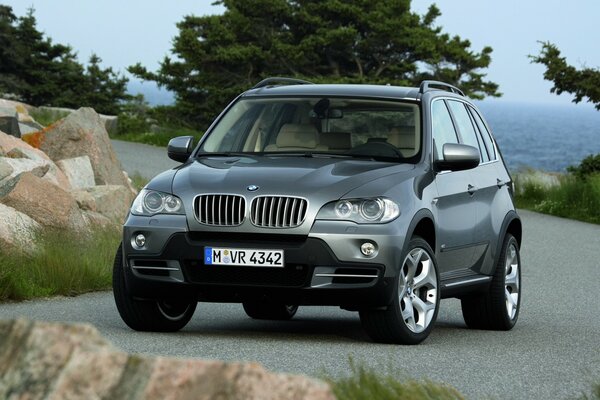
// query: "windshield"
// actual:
[[313, 126]]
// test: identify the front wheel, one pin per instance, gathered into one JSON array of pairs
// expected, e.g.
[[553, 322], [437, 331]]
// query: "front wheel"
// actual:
[[148, 315], [412, 314], [273, 311], [498, 309]]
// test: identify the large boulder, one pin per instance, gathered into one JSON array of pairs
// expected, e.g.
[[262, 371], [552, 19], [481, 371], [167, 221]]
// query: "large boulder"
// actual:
[[110, 122], [112, 201], [82, 133], [17, 230], [59, 361], [17, 149], [78, 171], [43, 201]]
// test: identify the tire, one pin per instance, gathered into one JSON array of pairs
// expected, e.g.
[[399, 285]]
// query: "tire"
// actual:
[[417, 289], [148, 315], [275, 311], [498, 309]]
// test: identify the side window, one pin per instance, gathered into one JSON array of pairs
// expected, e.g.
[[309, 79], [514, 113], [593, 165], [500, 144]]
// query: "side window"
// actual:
[[465, 125], [441, 126], [489, 144]]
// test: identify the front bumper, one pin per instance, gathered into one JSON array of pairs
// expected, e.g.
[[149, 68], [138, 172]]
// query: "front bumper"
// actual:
[[313, 274]]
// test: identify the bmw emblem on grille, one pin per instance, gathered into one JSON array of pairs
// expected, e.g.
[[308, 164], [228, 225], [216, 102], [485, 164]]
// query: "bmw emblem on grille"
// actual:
[[252, 188]]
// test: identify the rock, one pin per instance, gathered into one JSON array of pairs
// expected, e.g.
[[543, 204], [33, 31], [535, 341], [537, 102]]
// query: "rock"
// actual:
[[82, 133], [95, 220], [17, 230], [112, 201], [78, 171], [17, 149], [61, 361], [6, 169], [111, 123], [43, 201], [9, 122], [29, 127], [18, 166], [85, 201]]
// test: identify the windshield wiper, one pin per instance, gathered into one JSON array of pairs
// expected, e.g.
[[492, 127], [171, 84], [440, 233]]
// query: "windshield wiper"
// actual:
[[220, 154], [309, 154]]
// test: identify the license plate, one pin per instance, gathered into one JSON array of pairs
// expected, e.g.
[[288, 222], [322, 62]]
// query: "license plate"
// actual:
[[243, 257]]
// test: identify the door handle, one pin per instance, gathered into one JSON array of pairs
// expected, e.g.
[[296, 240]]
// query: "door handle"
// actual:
[[500, 183], [471, 189]]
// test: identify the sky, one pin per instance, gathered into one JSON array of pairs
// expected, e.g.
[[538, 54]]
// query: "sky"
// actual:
[[124, 32]]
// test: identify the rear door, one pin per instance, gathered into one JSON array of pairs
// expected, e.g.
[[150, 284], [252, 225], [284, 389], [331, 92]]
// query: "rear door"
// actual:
[[454, 208]]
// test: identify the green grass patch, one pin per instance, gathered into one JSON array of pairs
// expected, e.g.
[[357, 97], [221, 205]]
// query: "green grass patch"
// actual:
[[65, 264], [47, 117], [575, 198], [366, 384], [160, 137]]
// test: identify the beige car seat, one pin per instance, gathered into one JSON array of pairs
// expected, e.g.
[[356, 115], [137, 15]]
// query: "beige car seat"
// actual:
[[296, 137]]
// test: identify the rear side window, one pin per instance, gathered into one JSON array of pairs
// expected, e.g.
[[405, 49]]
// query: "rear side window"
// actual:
[[489, 144], [465, 125], [442, 127]]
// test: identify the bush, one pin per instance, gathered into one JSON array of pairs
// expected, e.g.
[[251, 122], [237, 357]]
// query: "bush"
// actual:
[[46, 116], [588, 166]]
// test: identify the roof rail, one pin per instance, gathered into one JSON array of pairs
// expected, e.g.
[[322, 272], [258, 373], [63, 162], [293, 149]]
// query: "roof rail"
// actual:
[[278, 79], [433, 85]]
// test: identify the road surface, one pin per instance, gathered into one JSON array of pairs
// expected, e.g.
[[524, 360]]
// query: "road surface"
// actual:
[[552, 353]]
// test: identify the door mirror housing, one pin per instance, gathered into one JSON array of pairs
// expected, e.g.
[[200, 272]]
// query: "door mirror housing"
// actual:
[[180, 148], [458, 157]]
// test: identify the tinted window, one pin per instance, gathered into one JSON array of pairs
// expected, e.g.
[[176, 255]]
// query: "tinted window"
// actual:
[[489, 144], [442, 127], [464, 124]]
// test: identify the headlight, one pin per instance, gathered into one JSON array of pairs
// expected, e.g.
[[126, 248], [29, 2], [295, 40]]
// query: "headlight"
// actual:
[[150, 202], [362, 211]]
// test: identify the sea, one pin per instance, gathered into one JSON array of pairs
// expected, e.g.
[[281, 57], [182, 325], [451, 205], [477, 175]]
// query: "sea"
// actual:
[[548, 137]]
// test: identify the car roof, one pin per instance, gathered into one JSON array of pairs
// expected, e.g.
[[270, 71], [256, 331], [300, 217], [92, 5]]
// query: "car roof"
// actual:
[[350, 90]]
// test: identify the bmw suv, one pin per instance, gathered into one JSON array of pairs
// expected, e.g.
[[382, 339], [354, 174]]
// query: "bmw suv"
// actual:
[[381, 200]]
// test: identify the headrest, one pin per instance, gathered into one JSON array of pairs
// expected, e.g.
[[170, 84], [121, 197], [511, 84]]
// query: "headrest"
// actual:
[[403, 137], [297, 135], [337, 140]]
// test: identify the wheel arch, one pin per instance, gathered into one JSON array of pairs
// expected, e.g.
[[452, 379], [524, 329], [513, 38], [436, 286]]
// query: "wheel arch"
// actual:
[[511, 224], [422, 225]]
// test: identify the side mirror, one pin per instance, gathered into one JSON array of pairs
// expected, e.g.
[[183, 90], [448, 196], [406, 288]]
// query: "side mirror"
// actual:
[[458, 157], [180, 148]]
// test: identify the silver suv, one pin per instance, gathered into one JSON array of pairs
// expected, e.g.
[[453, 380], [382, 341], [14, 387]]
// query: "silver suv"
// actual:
[[376, 199]]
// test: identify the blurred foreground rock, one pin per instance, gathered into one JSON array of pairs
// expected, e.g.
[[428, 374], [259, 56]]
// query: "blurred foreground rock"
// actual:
[[40, 360]]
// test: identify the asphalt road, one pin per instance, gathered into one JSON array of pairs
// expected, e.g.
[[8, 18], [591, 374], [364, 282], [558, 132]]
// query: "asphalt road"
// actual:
[[552, 353]]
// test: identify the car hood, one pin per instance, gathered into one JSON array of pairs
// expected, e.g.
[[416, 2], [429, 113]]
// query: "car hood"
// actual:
[[318, 179], [298, 176]]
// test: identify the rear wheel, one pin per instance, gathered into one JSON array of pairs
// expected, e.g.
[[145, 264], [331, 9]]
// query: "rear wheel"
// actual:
[[274, 311], [148, 315], [410, 317], [498, 309]]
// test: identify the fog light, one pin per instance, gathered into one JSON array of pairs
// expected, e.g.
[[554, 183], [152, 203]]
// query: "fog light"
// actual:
[[367, 248], [140, 240]]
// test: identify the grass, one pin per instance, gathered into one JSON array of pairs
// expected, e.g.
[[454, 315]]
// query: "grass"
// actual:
[[47, 117], [138, 181], [159, 138], [595, 394], [65, 264], [366, 384], [573, 197]]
